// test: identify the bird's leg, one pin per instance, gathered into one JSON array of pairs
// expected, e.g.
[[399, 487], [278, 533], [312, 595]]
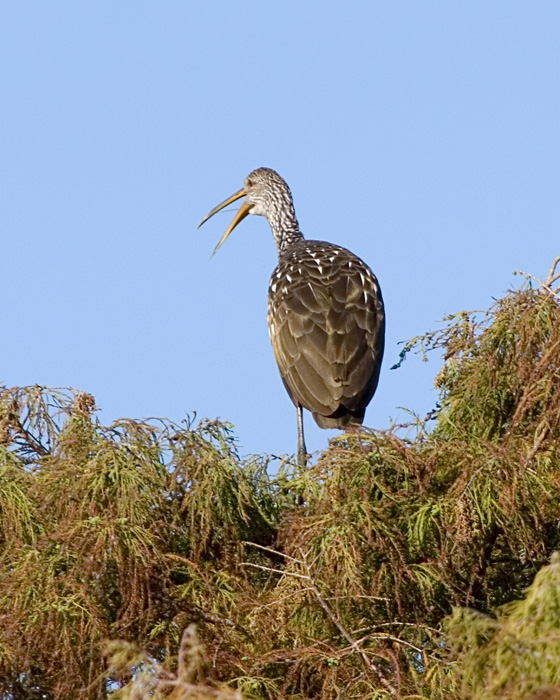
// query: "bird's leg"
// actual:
[[301, 449]]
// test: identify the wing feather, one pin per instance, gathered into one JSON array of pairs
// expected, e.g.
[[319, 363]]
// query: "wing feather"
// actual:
[[326, 322]]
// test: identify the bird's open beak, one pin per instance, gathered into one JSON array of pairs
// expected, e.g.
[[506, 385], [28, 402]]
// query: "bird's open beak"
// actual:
[[242, 212]]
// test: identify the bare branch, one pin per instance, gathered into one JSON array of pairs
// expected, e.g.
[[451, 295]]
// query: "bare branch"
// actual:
[[552, 275], [551, 278], [274, 571]]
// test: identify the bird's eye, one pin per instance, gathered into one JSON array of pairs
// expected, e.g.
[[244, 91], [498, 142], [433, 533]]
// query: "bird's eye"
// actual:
[[249, 183]]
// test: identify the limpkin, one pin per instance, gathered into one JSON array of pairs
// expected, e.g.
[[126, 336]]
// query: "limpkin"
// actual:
[[325, 312]]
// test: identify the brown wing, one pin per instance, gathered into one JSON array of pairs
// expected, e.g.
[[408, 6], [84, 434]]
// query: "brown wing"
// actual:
[[327, 327]]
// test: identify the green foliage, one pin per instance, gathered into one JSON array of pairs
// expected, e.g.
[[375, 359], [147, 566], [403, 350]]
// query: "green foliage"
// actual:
[[515, 654], [114, 532], [393, 567]]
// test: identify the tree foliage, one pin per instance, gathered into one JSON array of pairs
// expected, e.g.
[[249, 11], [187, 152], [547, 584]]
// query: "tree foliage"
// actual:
[[398, 565]]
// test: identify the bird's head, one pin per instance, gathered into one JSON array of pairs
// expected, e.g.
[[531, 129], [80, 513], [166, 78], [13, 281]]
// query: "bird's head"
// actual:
[[266, 194]]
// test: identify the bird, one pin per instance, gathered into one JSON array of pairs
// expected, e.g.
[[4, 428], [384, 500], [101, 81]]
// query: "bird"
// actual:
[[326, 317]]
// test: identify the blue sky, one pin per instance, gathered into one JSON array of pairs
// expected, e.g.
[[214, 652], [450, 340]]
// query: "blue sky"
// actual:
[[424, 136]]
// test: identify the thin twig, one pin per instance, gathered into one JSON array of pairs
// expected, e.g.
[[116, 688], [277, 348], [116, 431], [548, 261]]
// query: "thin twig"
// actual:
[[31, 440], [275, 571], [336, 622], [272, 551], [399, 624], [552, 277], [536, 444], [398, 640], [355, 596]]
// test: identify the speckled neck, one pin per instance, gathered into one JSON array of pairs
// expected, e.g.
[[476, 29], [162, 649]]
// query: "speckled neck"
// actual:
[[283, 222]]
